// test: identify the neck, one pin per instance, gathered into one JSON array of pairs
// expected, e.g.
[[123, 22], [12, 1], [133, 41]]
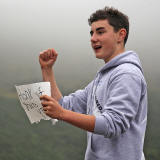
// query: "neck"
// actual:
[[118, 50]]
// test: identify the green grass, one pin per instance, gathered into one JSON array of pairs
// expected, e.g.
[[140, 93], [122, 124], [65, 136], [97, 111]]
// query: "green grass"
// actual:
[[19, 140]]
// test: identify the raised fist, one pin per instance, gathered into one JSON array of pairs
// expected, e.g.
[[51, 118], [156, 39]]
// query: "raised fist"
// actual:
[[47, 58]]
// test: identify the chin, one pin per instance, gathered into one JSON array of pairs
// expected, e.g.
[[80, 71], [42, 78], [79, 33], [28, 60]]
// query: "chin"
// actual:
[[99, 55]]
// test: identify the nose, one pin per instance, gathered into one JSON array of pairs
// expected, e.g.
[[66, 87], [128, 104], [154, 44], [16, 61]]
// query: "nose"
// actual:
[[94, 38]]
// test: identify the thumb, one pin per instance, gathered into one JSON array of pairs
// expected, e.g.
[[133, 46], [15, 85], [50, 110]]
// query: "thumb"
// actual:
[[46, 97]]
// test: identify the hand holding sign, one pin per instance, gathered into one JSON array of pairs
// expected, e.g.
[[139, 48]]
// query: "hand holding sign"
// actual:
[[51, 107]]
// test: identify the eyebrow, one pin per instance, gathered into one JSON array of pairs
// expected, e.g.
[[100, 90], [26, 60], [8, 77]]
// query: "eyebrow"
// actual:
[[97, 29]]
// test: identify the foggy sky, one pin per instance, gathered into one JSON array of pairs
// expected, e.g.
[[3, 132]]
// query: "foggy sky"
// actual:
[[28, 27]]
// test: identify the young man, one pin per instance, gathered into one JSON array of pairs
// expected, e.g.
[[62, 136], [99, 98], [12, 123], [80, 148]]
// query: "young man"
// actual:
[[113, 107]]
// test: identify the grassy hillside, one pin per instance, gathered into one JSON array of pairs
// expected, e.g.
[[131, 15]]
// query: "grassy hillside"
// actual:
[[152, 140], [19, 140]]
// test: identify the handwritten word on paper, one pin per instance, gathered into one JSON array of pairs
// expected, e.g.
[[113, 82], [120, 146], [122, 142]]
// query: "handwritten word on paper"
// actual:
[[29, 97]]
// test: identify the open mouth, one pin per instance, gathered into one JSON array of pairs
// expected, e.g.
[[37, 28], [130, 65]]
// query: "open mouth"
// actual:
[[96, 48]]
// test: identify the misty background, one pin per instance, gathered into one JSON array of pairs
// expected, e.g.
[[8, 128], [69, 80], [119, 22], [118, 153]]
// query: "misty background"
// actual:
[[29, 27]]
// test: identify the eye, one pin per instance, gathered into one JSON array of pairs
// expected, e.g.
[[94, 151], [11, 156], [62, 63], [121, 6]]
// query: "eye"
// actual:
[[91, 33], [100, 32]]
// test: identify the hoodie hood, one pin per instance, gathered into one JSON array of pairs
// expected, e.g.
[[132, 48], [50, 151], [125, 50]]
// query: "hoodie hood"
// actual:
[[125, 57]]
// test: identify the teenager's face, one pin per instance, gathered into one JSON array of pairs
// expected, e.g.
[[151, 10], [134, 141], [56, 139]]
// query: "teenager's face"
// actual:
[[104, 40]]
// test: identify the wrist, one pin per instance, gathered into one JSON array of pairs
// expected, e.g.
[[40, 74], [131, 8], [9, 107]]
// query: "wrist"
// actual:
[[62, 114], [46, 71], [46, 68], [47, 74]]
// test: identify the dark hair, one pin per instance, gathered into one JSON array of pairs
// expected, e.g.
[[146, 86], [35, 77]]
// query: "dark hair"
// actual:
[[115, 18]]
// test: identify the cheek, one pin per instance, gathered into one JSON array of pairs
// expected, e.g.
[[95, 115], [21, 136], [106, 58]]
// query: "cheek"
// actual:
[[108, 43]]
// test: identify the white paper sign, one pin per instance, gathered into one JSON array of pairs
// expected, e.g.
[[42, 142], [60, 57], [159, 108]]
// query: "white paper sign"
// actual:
[[29, 96]]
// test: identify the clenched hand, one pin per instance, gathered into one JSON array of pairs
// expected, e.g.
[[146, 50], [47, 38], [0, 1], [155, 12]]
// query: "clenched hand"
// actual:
[[47, 58]]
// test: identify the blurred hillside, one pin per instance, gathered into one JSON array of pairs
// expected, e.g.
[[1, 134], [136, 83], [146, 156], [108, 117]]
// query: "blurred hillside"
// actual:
[[21, 140]]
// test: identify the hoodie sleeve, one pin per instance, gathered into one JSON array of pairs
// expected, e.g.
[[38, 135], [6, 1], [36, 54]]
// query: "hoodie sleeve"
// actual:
[[76, 101], [123, 98]]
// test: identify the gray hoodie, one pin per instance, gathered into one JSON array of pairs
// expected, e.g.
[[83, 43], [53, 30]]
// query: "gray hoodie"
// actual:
[[118, 99]]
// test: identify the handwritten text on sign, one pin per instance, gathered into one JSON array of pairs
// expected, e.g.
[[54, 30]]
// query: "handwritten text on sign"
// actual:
[[29, 98]]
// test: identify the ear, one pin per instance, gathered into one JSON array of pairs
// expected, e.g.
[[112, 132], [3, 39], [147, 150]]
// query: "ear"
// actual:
[[121, 35]]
